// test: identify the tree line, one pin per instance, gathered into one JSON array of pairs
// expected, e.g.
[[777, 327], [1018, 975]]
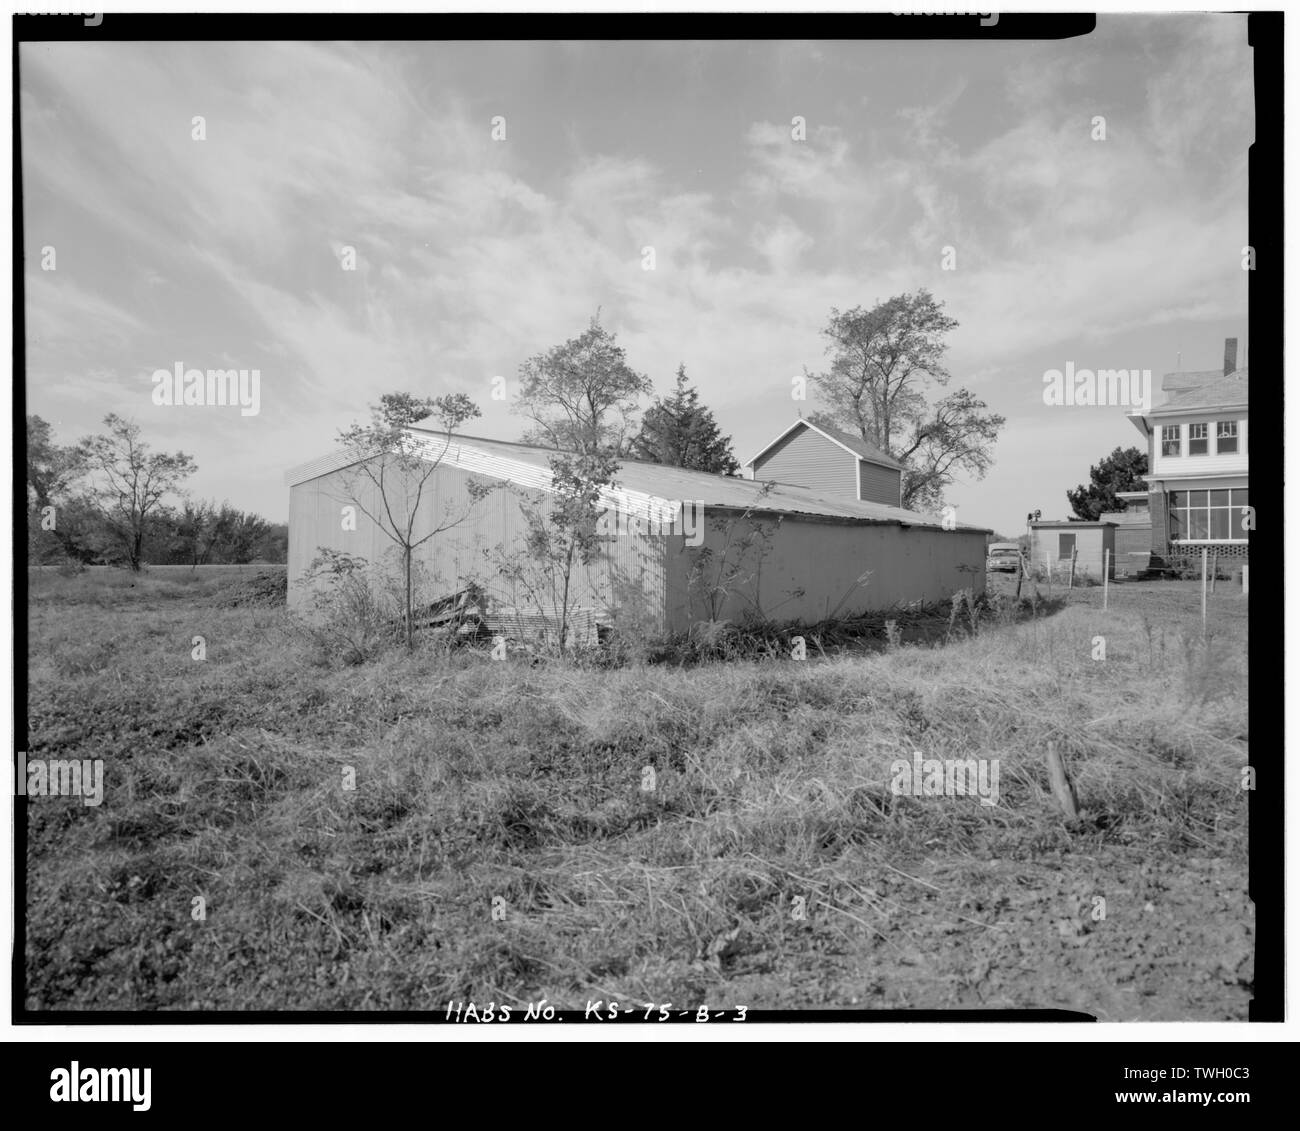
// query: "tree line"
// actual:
[[111, 499]]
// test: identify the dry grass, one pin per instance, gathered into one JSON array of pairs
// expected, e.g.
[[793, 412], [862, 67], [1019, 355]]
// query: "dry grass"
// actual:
[[479, 782]]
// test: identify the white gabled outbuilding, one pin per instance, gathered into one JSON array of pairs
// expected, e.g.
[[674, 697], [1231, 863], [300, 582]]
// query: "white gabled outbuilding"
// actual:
[[831, 463]]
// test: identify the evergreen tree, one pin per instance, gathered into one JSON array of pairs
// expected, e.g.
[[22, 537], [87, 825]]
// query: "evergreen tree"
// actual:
[[1122, 470], [681, 432]]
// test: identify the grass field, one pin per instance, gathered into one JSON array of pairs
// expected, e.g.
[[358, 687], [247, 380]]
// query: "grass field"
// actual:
[[483, 786]]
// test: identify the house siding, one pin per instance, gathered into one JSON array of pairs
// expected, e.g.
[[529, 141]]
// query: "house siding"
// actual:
[[878, 484], [1183, 464], [808, 459]]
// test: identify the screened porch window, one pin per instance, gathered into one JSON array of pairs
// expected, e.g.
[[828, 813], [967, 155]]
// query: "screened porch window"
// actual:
[[1208, 516]]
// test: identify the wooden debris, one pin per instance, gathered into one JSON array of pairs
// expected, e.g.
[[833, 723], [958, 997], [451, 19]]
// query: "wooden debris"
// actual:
[[1062, 786]]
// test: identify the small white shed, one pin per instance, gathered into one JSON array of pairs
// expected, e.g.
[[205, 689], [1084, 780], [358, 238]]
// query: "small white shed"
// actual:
[[1053, 544]]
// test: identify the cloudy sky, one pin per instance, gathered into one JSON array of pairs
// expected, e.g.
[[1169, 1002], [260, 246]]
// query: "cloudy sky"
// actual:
[[475, 253]]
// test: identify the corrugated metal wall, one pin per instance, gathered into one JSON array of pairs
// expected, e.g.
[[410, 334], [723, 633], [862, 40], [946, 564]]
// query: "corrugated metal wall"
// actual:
[[807, 459], [796, 570], [805, 570], [490, 532]]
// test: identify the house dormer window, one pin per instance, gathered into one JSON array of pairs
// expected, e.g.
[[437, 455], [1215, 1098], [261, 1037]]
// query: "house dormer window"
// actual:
[[1227, 437], [1171, 439], [1198, 439]]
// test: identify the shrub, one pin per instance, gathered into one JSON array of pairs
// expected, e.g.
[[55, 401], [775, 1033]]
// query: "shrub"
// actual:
[[352, 617]]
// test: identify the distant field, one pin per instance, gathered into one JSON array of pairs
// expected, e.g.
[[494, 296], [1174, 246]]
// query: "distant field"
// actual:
[[771, 865]]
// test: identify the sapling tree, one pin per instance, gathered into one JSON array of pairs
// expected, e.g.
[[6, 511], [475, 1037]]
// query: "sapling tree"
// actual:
[[716, 575], [563, 534], [394, 472]]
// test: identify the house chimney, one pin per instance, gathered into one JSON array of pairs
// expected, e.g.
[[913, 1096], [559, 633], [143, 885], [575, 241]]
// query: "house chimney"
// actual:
[[1229, 356]]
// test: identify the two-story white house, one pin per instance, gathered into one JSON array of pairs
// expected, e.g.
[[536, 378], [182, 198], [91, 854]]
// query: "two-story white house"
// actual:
[[1198, 449]]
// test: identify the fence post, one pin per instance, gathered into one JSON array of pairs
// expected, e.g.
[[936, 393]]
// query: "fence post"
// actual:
[[1105, 579], [1245, 580], [1074, 557], [1205, 560], [1214, 570]]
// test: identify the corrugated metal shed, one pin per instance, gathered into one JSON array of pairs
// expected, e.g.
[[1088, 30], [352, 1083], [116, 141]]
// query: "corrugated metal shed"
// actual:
[[747, 549]]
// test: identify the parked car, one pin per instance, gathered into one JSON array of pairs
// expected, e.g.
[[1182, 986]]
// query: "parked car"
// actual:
[[1003, 556]]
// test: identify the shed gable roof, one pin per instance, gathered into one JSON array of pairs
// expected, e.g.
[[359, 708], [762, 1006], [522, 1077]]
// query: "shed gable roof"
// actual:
[[855, 445]]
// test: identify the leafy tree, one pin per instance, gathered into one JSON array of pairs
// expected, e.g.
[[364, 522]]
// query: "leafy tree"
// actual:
[[884, 363], [681, 432], [272, 544], [56, 521], [243, 536], [129, 483], [394, 469], [1122, 470], [197, 531], [51, 469], [581, 396], [202, 532]]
